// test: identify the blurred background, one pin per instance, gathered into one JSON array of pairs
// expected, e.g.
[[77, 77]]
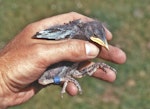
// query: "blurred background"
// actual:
[[129, 22]]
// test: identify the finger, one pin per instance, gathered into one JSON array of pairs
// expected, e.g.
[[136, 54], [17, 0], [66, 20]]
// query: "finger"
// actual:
[[60, 20], [114, 54], [110, 76], [43, 24], [70, 50], [72, 89], [108, 34]]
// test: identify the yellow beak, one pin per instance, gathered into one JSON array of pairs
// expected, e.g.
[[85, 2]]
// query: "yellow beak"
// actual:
[[103, 43]]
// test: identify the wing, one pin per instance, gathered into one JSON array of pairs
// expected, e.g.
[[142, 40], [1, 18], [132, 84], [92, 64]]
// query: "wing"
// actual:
[[60, 31]]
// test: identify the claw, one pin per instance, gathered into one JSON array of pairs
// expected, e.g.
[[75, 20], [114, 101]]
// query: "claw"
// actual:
[[104, 66], [80, 92], [92, 69]]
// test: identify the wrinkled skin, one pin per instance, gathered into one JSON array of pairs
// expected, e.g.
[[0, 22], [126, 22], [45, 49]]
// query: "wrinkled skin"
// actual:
[[24, 59]]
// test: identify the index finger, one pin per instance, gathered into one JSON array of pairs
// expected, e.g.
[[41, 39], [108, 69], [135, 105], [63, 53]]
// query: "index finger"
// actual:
[[114, 54], [62, 19]]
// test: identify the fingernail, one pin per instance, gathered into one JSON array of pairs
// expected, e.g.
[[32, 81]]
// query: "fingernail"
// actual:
[[91, 50]]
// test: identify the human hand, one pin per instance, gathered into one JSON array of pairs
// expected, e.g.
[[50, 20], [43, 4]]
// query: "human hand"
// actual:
[[24, 59]]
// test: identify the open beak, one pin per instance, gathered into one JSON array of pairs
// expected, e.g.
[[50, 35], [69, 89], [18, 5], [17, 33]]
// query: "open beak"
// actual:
[[102, 42]]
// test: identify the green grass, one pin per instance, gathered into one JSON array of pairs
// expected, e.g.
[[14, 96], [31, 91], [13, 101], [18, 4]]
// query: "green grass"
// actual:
[[129, 22]]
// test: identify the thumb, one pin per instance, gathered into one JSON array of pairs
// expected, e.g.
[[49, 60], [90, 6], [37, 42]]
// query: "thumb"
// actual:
[[71, 50]]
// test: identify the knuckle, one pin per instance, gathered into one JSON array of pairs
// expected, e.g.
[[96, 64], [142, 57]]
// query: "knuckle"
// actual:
[[76, 48], [39, 54], [30, 26], [38, 49], [76, 15], [73, 13]]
